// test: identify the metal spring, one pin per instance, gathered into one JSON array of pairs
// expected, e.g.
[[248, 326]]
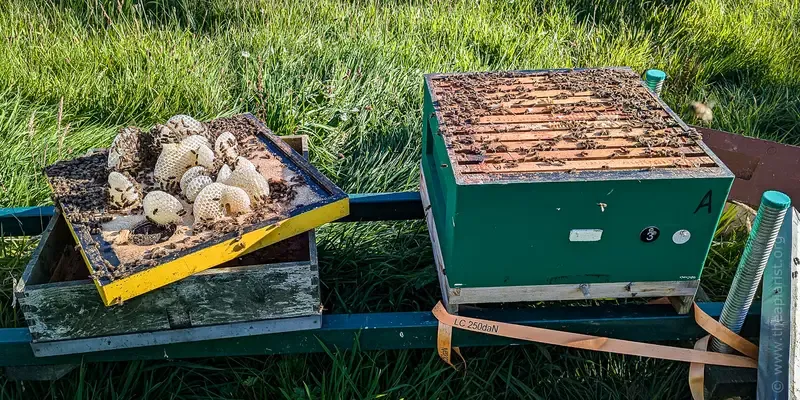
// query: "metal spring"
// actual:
[[748, 274]]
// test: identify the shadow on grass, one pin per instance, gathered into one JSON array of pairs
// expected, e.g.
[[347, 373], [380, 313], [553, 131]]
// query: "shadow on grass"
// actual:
[[609, 14]]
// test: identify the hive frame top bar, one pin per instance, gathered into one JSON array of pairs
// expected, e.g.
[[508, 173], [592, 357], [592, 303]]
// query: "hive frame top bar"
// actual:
[[719, 170]]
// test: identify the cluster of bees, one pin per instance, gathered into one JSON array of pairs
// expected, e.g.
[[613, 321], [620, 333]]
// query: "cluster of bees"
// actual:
[[466, 97], [213, 178]]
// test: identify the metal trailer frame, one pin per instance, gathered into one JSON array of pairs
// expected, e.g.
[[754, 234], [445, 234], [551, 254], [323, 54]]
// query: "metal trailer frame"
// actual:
[[373, 331], [408, 330]]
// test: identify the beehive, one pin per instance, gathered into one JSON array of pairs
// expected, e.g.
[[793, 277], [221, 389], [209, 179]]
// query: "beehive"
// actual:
[[123, 268], [273, 289], [565, 184]]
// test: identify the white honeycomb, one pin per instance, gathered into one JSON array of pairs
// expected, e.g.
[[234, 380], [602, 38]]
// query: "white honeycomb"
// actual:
[[163, 135], [185, 125], [225, 147], [217, 200], [123, 155], [224, 173], [194, 187], [171, 164], [243, 164], [235, 201], [162, 208], [248, 178], [176, 159], [190, 174], [122, 191], [194, 141], [205, 156]]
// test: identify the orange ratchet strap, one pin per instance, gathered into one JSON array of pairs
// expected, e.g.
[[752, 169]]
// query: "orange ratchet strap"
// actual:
[[698, 356]]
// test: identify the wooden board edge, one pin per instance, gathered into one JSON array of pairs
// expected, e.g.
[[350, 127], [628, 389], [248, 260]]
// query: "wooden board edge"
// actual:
[[19, 288], [164, 274], [298, 143], [438, 258], [334, 192], [794, 309], [682, 304], [584, 291], [159, 338]]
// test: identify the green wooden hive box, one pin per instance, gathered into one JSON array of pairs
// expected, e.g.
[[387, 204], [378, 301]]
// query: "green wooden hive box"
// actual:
[[564, 184]]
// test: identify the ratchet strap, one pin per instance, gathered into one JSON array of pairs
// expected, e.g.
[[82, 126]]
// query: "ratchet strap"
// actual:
[[698, 356]]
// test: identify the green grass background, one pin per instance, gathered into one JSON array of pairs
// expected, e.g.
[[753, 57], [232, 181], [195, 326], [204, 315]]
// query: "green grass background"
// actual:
[[349, 75]]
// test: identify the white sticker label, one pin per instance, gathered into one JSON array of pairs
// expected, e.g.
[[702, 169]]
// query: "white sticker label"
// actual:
[[682, 236], [585, 235]]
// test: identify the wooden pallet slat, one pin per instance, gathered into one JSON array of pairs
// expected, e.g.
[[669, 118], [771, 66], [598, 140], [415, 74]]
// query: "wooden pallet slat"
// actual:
[[587, 165], [514, 109], [544, 102], [554, 127], [531, 140], [527, 118], [542, 94], [580, 154]]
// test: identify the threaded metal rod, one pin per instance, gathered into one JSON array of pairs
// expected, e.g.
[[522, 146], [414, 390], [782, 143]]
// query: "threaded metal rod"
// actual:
[[751, 266], [659, 86], [654, 79]]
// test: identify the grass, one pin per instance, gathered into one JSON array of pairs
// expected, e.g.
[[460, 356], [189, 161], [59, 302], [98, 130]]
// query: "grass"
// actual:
[[348, 74]]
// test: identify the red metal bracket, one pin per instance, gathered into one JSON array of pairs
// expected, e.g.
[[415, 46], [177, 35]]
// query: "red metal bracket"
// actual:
[[759, 165]]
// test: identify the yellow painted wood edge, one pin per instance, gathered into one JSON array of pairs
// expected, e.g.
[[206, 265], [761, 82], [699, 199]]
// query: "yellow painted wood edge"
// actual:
[[164, 274]]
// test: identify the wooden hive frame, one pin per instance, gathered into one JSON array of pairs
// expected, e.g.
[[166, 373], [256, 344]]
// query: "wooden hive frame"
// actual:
[[173, 267], [529, 113]]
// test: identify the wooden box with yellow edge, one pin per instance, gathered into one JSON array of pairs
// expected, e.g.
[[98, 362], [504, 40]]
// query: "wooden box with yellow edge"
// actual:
[[185, 196]]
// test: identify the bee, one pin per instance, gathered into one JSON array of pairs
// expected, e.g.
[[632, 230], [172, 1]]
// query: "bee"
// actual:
[[702, 112]]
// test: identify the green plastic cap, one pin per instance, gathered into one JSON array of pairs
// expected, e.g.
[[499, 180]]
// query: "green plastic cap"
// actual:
[[775, 199], [655, 75]]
